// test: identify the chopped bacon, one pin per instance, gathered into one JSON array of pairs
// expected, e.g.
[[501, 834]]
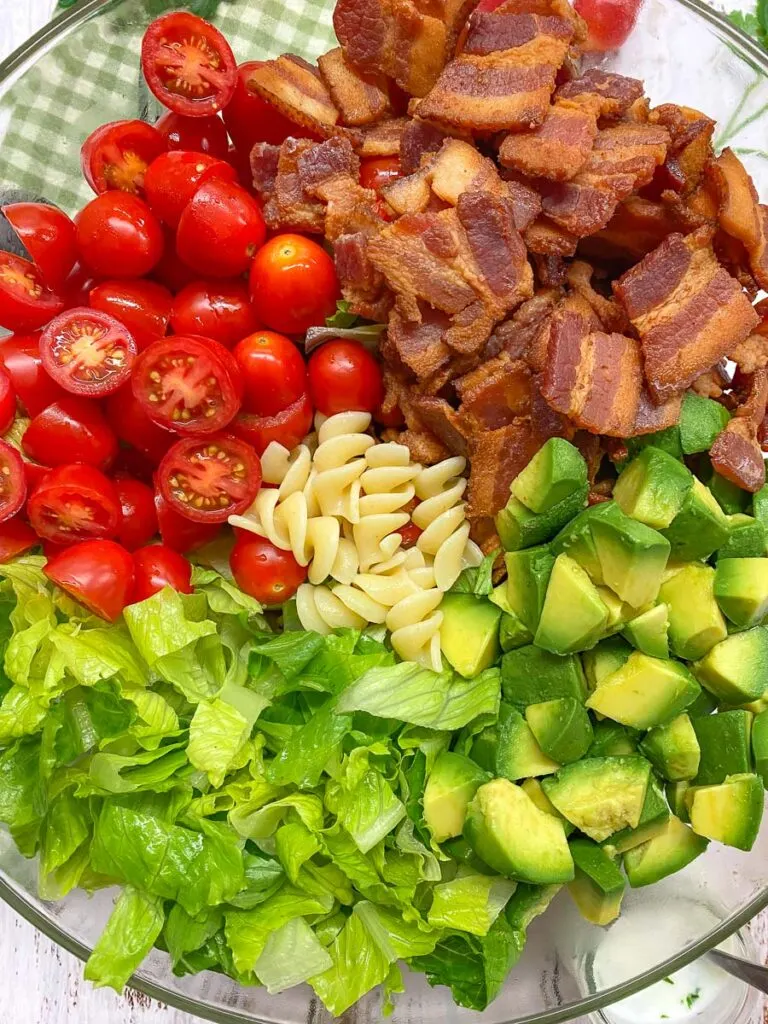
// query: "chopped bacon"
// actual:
[[380, 139], [420, 139], [516, 335], [545, 238], [330, 171], [652, 417], [713, 383], [360, 98], [549, 271], [295, 88], [419, 344], [361, 284], [495, 394], [736, 453], [572, 318], [690, 141], [610, 313], [610, 93], [424, 446], [637, 227], [740, 215], [751, 354], [443, 421], [526, 202], [276, 178], [496, 458]]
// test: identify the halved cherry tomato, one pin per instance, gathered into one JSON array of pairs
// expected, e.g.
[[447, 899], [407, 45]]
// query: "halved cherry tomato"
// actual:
[[71, 430], [117, 155], [126, 416], [250, 119], [88, 352], [287, 427], [170, 270], [215, 309], [139, 520], [180, 533], [20, 356], [199, 134], [378, 171], [34, 473], [157, 566], [343, 375], [98, 573], [144, 307], [74, 502], [220, 229], [16, 537], [264, 571], [49, 237], [293, 284], [13, 482], [7, 401], [273, 370], [118, 235], [26, 301], [209, 479], [188, 64], [609, 21], [174, 177]]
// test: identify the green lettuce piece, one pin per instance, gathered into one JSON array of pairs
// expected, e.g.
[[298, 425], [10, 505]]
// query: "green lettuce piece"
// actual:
[[469, 903], [22, 794], [477, 580], [155, 718], [291, 955], [21, 714], [307, 751], [398, 938], [64, 846], [93, 655], [261, 823], [359, 964], [291, 652], [159, 626], [131, 932], [247, 931], [216, 734], [344, 657], [224, 597], [363, 801], [295, 845], [185, 933], [263, 877], [154, 770], [23, 650]]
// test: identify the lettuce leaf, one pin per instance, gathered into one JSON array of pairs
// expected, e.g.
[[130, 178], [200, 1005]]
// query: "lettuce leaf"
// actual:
[[159, 626], [470, 903], [307, 751], [216, 734], [291, 955], [358, 964], [363, 801], [131, 932], [185, 933], [247, 931], [23, 800]]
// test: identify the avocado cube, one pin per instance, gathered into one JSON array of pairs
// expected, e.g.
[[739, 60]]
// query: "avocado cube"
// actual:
[[653, 820], [747, 539], [509, 748], [611, 739], [645, 692], [520, 528], [701, 420], [668, 440], [573, 616], [760, 505], [460, 850], [730, 498], [508, 831], [532, 787], [600, 795], [695, 621], [531, 675], [667, 853], [649, 632], [676, 795], [561, 728], [736, 669], [725, 745], [653, 487], [619, 612], [576, 540], [529, 902], [452, 783], [500, 598], [699, 528], [673, 749], [760, 745], [704, 704], [513, 633], [469, 635], [603, 660], [730, 812], [598, 887], [741, 590], [555, 472], [632, 556], [528, 574]]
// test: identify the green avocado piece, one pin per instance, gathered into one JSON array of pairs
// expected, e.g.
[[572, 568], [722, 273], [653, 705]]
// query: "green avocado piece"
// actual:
[[736, 669], [500, 598], [598, 887], [653, 819], [610, 739], [747, 539], [648, 632], [760, 505], [670, 851], [619, 612], [725, 745], [632, 556], [730, 812], [469, 635], [673, 749], [573, 616], [520, 528], [561, 728], [513, 633], [529, 902], [741, 590], [604, 659], [528, 574], [760, 745], [730, 498], [462, 852], [532, 787], [704, 704], [508, 831], [600, 795], [645, 692], [676, 792], [452, 783], [509, 749], [701, 420], [699, 528], [531, 675], [652, 488], [668, 440], [695, 621], [555, 472], [576, 540]]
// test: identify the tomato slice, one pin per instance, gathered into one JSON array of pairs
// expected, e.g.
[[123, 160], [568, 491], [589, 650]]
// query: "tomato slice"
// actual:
[[127, 417], [174, 178], [16, 537], [158, 566], [74, 502], [13, 481], [139, 520], [144, 307], [117, 155], [98, 573], [7, 401], [49, 237], [26, 301], [288, 427], [180, 533], [200, 134], [264, 571], [188, 64], [88, 352], [214, 309], [209, 479], [70, 429], [34, 473], [187, 384]]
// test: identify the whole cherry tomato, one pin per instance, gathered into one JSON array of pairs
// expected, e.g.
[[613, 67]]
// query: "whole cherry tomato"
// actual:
[[88, 352], [250, 119], [48, 235], [126, 415], [77, 287], [20, 356], [609, 21], [71, 430], [13, 482], [180, 533], [273, 372], [137, 504], [7, 401], [144, 307], [171, 271], [378, 171], [199, 134], [16, 537], [287, 427], [98, 573], [118, 235], [344, 376], [293, 284], [74, 502], [264, 571], [26, 301], [220, 229], [157, 566], [173, 179], [117, 155], [209, 479], [214, 309]]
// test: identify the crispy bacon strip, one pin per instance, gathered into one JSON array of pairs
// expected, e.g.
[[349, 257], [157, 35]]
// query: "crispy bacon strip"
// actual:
[[752, 353], [495, 394], [359, 97], [736, 453], [545, 238], [690, 147], [295, 88], [516, 335], [572, 318], [741, 215], [443, 421], [610, 313], [496, 458], [287, 206], [419, 344], [637, 227], [383, 138], [610, 93], [526, 202], [420, 139]]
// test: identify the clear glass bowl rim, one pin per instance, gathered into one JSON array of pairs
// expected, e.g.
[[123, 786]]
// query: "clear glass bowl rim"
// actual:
[[16, 898]]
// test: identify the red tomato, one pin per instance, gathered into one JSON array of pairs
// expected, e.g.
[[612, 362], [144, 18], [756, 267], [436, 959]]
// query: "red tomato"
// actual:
[[7, 401], [393, 417], [209, 479], [126, 416], [13, 481], [265, 572], [378, 171], [26, 301], [117, 155], [34, 473], [171, 271], [609, 21], [190, 385], [158, 566], [250, 119], [242, 163], [215, 309], [88, 352], [180, 533], [97, 573], [49, 237], [273, 372], [188, 64], [293, 284], [16, 537], [71, 430], [77, 287], [139, 520], [220, 230], [343, 375], [144, 307], [119, 236], [199, 134], [287, 427], [20, 355], [174, 177], [74, 502]]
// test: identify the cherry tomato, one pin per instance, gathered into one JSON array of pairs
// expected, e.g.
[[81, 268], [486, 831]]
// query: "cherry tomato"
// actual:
[[209, 479], [26, 301], [250, 119], [158, 566], [287, 427], [117, 155], [241, 161], [180, 533], [199, 134], [131, 462], [343, 375], [293, 284], [264, 571], [88, 352], [7, 401], [609, 21], [126, 415], [97, 573], [34, 473], [139, 520], [215, 309], [144, 307], [273, 372], [220, 229], [119, 236], [188, 64], [71, 430], [74, 502], [378, 171], [16, 537], [13, 481], [190, 385], [410, 532], [77, 287], [49, 237], [20, 356], [171, 271], [174, 177]]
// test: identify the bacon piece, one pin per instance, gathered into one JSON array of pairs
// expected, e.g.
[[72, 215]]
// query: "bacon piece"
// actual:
[[424, 446], [330, 171], [572, 319], [637, 227], [419, 344], [688, 311], [609, 312], [361, 284], [295, 88], [546, 238], [610, 93], [651, 417], [516, 335], [443, 421], [549, 271], [495, 394], [736, 453], [420, 139], [752, 353], [380, 139], [526, 202], [360, 98], [276, 178], [690, 141], [496, 458], [740, 214]]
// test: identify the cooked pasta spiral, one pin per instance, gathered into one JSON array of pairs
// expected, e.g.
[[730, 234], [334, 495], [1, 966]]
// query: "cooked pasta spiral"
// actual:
[[441, 515]]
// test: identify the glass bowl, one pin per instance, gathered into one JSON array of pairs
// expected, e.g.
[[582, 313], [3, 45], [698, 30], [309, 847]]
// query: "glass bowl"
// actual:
[[82, 70]]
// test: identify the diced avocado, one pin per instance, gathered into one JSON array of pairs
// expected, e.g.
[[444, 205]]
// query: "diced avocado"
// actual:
[[576, 540], [673, 749], [699, 528], [652, 488], [533, 789], [469, 635], [509, 832], [649, 632], [670, 851], [555, 472], [725, 744], [603, 660], [529, 902], [730, 812], [741, 590], [520, 528], [701, 420], [676, 792], [573, 616], [500, 598], [760, 745], [632, 556], [509, 748], [513, 633], [611, 739], [695, 621], [619, 612], [530, 675], [653, 819], [760, 505], [452, 783], [736, 669], [598, 887], [668, 440], [561, 728], [528, 574], [645, 692], [704, 704], [600, 795], [747, 539], [461, 851], [730, 498]]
